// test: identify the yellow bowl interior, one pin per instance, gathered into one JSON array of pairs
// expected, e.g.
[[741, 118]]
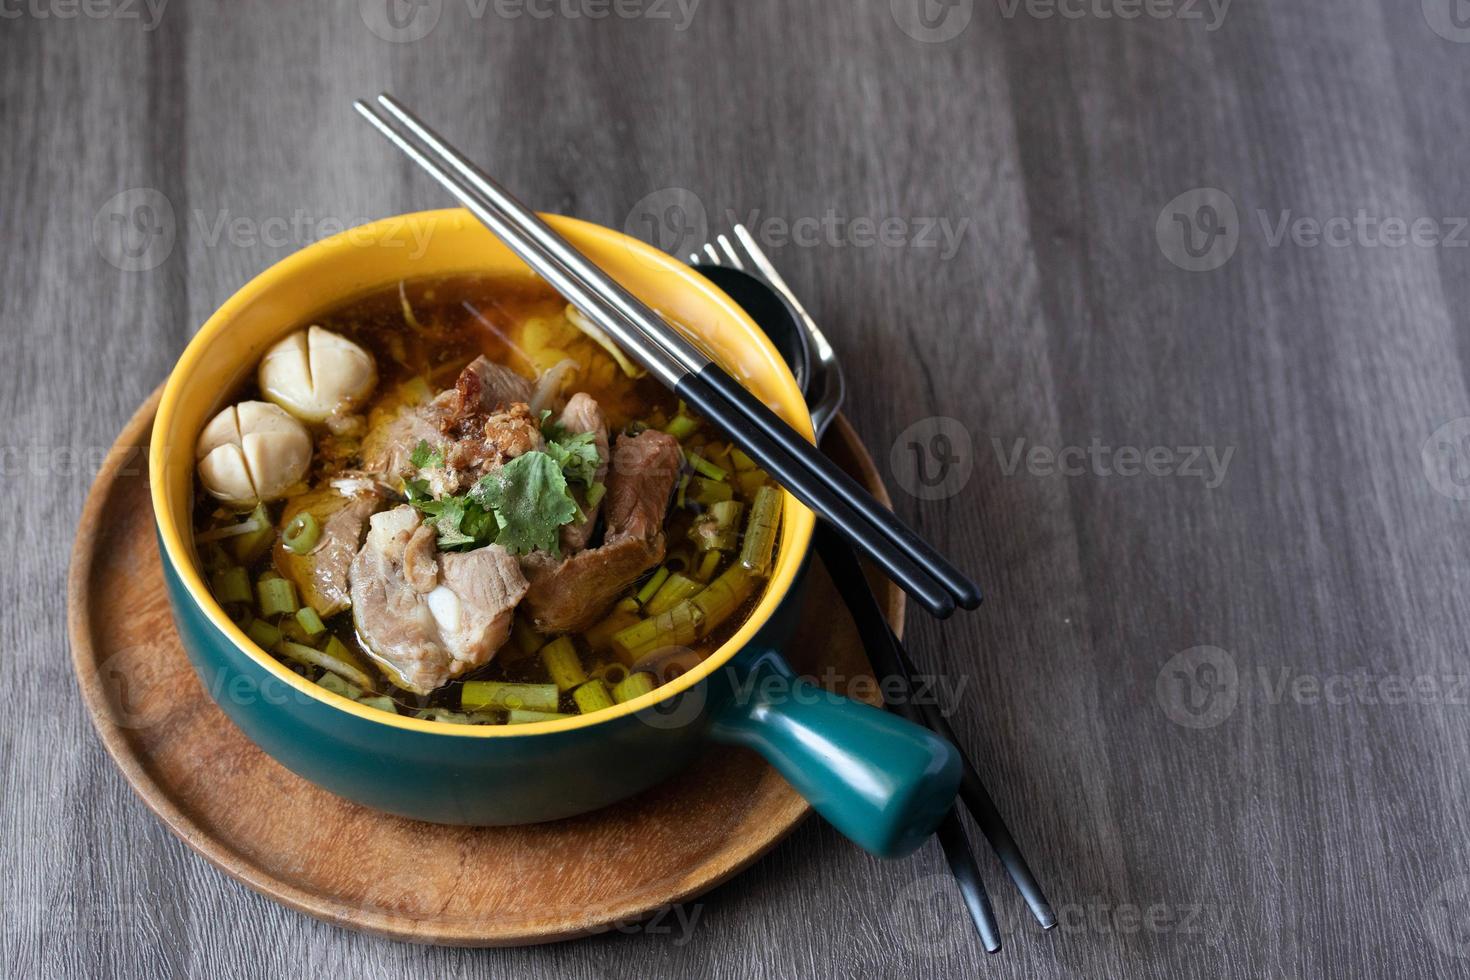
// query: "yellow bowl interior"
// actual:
[[437, 243]]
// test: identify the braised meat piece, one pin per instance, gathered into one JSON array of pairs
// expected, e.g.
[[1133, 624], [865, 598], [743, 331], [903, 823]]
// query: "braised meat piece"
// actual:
[[583, 414], [321, 574], [428, 617], [573, 593]]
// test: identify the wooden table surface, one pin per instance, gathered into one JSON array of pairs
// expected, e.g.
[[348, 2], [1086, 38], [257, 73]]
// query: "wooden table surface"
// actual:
[[1148, 313]]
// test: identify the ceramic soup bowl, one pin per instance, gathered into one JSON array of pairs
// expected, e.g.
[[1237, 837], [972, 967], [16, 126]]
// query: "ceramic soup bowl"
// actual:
[[881, 781]]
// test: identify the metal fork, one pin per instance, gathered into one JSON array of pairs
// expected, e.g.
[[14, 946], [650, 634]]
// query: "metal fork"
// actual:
[[828, 384], [883, 647]]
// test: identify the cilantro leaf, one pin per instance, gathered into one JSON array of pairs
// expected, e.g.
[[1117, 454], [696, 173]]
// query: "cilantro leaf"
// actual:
[[530, 500], [577, 456], [425, 456]]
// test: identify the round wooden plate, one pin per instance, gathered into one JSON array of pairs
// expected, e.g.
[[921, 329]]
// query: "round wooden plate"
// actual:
[[362, 869]]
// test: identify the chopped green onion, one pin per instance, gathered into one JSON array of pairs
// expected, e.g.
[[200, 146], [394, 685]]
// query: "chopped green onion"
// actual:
[[502, 694], [277, 596], [683, 490], [521, 716], [760, 531], [741, 461], [610, 674], [592, 696], [652, 585], [302, 533], [676, 588], [310, 622], [705, 468], [524, 638], [263, 633], [562, 664], [749, 481], [231, 585], [633, 686], [628, 604]]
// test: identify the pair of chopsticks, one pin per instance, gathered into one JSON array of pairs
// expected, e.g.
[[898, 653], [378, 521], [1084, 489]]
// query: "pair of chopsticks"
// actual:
[[890, 660], [798, 465]]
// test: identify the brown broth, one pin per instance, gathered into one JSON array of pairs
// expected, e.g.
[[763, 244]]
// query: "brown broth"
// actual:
[[516, 321]]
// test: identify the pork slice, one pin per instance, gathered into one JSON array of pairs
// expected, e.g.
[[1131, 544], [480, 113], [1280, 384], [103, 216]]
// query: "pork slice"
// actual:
[[321, 574], [388, 446], [583, 414], [481, 388], [573, 593], [428, 617], [644, 470]]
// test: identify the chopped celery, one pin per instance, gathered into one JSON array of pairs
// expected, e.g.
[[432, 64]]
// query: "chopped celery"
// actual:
[[231, 585], [599, 637], [681, 427], [706, 491], [337, 685], [263, 633], [562, 664], [502, 694], [521, 716], [760, 531], [676, 587], [653, 584], [251, 547], [633, 686], [277, 596], [380, 702], [719, 527], [707, 565], [310, 622], [704, 467], [592, 696]]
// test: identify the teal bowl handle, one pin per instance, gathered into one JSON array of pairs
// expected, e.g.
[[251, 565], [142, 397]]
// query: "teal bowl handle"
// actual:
[[885, 783]]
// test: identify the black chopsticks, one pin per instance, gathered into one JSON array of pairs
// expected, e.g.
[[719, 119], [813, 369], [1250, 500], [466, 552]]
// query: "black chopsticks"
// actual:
[[796, 464], [890, 660]]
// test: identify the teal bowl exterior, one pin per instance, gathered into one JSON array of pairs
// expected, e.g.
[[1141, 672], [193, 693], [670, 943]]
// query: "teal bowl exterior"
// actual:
[[883, 782]]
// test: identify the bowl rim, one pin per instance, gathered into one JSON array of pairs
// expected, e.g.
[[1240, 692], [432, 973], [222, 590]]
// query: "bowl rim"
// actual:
[[177, 544]]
